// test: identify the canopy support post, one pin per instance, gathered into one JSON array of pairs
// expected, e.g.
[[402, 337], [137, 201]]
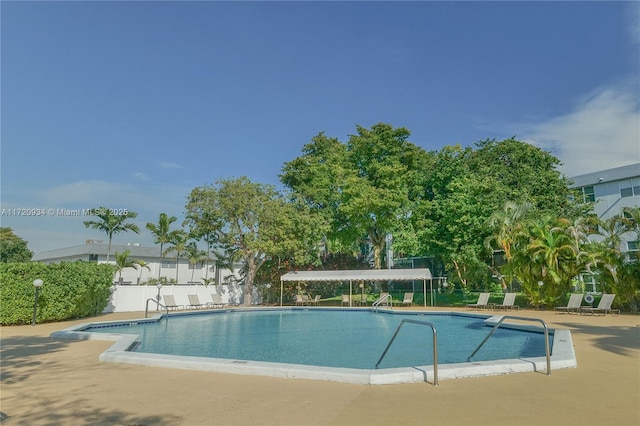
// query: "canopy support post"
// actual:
[[424, 291]]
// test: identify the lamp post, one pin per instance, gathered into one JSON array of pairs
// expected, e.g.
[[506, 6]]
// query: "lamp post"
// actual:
[[540, 284], [37, 284], [268, 287], [158, 296], [445, 284]]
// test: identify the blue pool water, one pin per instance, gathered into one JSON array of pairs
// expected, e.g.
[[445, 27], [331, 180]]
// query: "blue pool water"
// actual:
[[331, 338]]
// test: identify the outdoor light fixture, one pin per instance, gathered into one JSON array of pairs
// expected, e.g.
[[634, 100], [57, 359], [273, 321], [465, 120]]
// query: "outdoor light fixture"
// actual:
[[540, 284], [37, 284], [445, 284]]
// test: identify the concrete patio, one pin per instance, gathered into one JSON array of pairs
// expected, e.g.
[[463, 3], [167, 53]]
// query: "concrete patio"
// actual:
[[51, 382]]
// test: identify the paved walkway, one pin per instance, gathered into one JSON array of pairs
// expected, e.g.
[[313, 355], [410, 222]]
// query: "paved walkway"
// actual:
[[49, 382]]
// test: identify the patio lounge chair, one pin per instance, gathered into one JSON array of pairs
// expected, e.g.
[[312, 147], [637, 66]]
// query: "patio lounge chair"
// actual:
[[603, 307], [300, 300], [217, 300], [482, 302], [507, 303], [194, 302], [362, 300], [314, 300], [170, 302], [408, 299], [346, 299], [575, 300]]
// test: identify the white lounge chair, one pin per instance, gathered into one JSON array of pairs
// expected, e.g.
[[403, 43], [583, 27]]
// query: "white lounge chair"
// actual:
[[508, 303], [170, 302], [194, 302], [408, 299], [362, 300], [346, 299], [217, 301], [314, 301], [575, 300], [603, 307], [482, 303]]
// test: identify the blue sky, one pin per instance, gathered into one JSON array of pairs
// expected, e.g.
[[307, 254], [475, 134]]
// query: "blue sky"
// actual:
[[133, 104]]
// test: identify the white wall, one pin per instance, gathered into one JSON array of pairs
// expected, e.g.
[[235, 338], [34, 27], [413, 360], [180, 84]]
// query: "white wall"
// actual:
[[133, 298]]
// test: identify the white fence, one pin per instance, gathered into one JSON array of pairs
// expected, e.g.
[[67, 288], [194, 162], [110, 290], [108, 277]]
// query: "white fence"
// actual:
[[125, 298]]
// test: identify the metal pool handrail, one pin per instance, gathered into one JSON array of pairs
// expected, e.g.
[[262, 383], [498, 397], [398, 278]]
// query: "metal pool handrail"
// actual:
[[435, 345], [382, 299], [546, 337], [146, 309]]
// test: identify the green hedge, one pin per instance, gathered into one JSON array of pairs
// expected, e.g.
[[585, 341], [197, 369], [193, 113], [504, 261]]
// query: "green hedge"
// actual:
[[70, 290]]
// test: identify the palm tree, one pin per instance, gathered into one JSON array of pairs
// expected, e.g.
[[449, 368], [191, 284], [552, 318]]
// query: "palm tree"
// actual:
[[178, 243], [142, 264], [162, 232], [112, 222], [123, 261], [508, 225], [194, 255]]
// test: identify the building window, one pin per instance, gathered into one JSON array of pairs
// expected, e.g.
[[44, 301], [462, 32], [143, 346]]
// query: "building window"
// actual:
[[93, 258], [630, 188], [633, 249], [166, 264], [588, 195]]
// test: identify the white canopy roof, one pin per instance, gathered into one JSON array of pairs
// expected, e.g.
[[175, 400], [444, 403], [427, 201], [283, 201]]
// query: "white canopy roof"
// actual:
[[359, 275]]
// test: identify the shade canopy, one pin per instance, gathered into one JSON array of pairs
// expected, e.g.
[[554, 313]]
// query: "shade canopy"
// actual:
[[359, 275]]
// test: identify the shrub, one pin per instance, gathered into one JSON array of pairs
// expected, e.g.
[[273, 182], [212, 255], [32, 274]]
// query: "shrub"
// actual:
[[70, 290]]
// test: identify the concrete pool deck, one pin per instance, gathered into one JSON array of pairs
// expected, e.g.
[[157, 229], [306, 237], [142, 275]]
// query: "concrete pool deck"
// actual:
[[53, 382]]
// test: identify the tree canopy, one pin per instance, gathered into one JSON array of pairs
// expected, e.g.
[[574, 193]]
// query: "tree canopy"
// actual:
[[13, 248], [251, 222], [362, 188]]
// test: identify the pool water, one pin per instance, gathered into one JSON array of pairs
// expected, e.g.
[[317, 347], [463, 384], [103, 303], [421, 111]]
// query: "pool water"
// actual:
[[331, 338]]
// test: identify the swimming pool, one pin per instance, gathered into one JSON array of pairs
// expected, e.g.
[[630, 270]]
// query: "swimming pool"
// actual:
[[327, 344]]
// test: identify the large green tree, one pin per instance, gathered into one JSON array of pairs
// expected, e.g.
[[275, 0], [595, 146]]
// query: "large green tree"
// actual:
[[112, 222], [467, 186], [363, 188], [13, 248], [251, 223]]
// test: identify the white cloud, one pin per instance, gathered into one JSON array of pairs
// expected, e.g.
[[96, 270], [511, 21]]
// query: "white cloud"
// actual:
[[170, 166], [140, 176], [603, 131]]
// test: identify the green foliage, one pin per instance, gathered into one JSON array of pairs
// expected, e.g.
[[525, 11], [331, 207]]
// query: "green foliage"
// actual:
[[363, 189], [162, 232], [13, 248], [161, 280], [618, 273], [251, 222], [70, 290]]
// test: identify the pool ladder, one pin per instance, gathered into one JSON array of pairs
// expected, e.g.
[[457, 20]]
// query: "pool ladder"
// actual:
[[435, 345], [546, 337], [386, 298], [146, 309]]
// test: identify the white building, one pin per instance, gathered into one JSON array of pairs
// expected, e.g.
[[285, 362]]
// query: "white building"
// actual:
[[612, 190], [158, 266]]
